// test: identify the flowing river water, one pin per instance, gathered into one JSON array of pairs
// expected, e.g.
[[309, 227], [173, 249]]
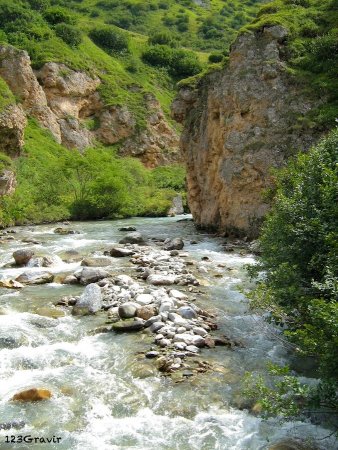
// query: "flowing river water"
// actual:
[[103, 398]]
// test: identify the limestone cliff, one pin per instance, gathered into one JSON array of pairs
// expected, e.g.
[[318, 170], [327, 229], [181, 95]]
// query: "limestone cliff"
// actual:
[[239, 122], [68, 103]]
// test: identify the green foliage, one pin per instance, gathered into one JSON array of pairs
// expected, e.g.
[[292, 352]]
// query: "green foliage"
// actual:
[[282, 394], [39, 5], [180, 63], [6, 96], [56, 14], [310, 49], [162, 38], [69, 34], [215, 57], [110, 38], [5, 161], [171, 177], [55, 183], [299, 244]]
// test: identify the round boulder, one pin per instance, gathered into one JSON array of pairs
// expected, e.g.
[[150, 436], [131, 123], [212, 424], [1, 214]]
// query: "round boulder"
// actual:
[[133, 238], [127, 310], [22, 256]]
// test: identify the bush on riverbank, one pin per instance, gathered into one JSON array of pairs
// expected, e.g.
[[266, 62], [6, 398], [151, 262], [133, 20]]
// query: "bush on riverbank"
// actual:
[[55, 183], [300, 252]]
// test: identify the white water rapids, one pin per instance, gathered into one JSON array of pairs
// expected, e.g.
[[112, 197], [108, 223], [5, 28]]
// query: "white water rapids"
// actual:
[[102, 397]]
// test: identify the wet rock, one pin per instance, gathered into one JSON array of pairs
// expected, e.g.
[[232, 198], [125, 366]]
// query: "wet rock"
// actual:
[[53, 313], [89, 275], [290, 444], [71, 256], [70, 279], [31, 241], [15, 424], [32, 395], [127, 310], [173, 244], [187, 312], [22, 256], [174, 253], [90, 302], [200, 331], [135, 324], [120, 252], [152, 354], [151, 320], [154, 327], [65, 231], [127, 229], [209, 342], [146, 312], [96, 261], [161, 280], [133, 238], [11, 284], [163, 364], [32, 278]]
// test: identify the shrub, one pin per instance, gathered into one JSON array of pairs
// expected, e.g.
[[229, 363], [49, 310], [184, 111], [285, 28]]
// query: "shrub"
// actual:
[[39, 5], [162, 38], [215, 57], [110, 38], [158, 55], [69, 34], [185, 64], [55, 15]]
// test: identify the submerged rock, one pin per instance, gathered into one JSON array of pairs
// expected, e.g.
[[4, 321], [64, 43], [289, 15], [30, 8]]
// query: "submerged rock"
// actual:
[[64, 231], [127, 229], [11, 284], [89, 302], [32, 395], [35, 278], [22, 256]]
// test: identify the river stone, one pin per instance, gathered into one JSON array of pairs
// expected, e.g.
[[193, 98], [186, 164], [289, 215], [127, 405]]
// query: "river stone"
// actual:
[[199, 330], [152, 354], [11, 284], [127, 229], [135, 324], [187, 312], [22, 256], [154, 327], [173, 244], [123, 280], [151, 320], [120, 252], [144, 299], [164, 342], [146, 312], [127, 310], [32, 395], [177, 319], [96, 261], [178, 295], [161, 280], [180, 345], [35, 278], [90, 302], [70, 279], [198, 341], [289, 444], [133, 238], [89, 275], [192, 349], [166, 306]]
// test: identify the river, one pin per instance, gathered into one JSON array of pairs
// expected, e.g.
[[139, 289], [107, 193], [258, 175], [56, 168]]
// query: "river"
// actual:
[[102, 396]]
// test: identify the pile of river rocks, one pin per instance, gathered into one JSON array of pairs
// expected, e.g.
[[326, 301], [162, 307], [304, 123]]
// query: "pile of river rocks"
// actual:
[[156, 297]]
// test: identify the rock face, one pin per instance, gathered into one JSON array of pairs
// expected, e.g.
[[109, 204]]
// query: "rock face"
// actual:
[[12, 127], [238, 123], [7, 182], [65, 101]]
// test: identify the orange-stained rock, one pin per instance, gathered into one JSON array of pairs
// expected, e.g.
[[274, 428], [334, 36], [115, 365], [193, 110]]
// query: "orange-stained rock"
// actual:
[[32, 395]]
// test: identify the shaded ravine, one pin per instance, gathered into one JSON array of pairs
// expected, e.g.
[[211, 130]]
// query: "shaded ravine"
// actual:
[[105, 394]]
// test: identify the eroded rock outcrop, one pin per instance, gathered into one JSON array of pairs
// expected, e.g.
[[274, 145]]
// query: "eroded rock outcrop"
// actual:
[[239, 122], [68, 103], [12, 127]]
